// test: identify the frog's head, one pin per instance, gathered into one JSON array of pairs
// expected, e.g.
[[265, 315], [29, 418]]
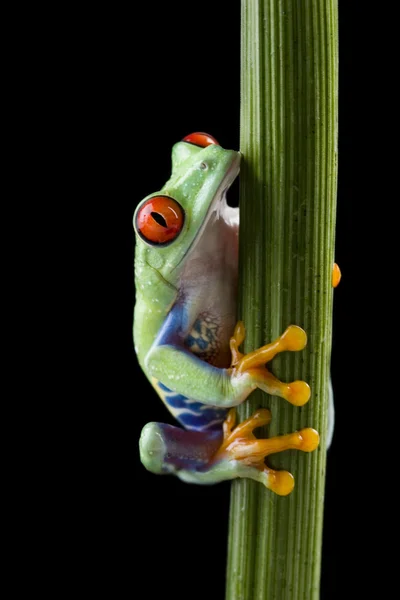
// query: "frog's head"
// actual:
[[168, 223]]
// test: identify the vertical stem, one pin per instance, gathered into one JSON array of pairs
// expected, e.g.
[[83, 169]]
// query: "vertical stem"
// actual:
[[289, 77]]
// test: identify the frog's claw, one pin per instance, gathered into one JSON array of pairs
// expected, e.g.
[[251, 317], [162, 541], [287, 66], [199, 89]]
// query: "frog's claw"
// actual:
[[242, 446], [293, 338]]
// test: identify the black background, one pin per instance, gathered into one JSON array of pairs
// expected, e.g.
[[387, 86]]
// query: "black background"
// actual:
[[137, 82]]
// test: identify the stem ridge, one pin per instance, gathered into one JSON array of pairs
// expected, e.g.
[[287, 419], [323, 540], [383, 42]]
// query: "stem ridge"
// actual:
[[289, 88]]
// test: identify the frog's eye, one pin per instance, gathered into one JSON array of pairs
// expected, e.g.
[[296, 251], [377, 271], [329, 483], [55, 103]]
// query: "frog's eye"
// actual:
[[160, 220], [200, 139]]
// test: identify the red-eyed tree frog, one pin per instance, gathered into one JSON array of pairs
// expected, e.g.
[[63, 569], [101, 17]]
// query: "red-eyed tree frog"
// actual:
[[185, 331]]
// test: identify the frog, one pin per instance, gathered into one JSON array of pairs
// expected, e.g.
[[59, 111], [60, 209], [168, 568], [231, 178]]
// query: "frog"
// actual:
[[187, 337]]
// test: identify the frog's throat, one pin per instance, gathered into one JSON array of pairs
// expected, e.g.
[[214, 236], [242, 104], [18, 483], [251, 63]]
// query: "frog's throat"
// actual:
[[218, 204]]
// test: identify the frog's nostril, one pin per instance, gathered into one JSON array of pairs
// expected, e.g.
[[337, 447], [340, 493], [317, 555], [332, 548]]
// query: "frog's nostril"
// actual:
[[200, 139]]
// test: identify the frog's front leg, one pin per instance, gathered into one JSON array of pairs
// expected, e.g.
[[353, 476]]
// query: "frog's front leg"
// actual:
[[185, 373], [207, 457]]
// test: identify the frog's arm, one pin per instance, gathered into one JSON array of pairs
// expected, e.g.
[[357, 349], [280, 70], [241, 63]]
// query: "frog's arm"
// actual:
[[177, 368]]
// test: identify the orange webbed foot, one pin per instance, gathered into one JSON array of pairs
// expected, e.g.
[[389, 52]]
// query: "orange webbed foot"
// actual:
[[293, 339], [240, 444]]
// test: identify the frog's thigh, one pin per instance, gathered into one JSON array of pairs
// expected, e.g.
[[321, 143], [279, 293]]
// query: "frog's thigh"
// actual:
[[168, 449]]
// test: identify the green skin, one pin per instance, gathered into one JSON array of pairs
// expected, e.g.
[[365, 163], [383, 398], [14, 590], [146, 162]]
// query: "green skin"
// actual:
[[193, 273], [159, 270], [177, 283], [196, 270]]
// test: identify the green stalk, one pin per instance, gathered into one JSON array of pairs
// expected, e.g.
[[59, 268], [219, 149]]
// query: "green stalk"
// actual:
[[289, 78]]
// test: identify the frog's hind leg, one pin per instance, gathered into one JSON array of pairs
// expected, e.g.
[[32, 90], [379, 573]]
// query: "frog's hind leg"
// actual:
[[211, 456]]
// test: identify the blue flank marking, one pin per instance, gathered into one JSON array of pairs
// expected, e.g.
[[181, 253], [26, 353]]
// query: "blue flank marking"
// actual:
[[199, 421], [202, 343], [176, 401], [179, 401], [174, 326], [170, 334], [189, 340], [190, 420], [163, 387], [197, 325]]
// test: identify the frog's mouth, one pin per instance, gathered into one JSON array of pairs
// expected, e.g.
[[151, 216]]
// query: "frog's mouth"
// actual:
[[218, 208]]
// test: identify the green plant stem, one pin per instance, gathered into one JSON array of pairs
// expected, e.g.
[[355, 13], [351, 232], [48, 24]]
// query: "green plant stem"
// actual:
[[289, 80]]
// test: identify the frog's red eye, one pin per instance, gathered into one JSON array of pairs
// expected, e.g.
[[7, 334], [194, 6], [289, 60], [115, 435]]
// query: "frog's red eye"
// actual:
[[200, 139], [160, 220]]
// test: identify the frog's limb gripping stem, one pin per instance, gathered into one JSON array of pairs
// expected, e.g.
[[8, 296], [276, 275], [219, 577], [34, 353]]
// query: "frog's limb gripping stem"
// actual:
[[293, 339], [258, 419], [237, 340], [206, 457], [241, 445]]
